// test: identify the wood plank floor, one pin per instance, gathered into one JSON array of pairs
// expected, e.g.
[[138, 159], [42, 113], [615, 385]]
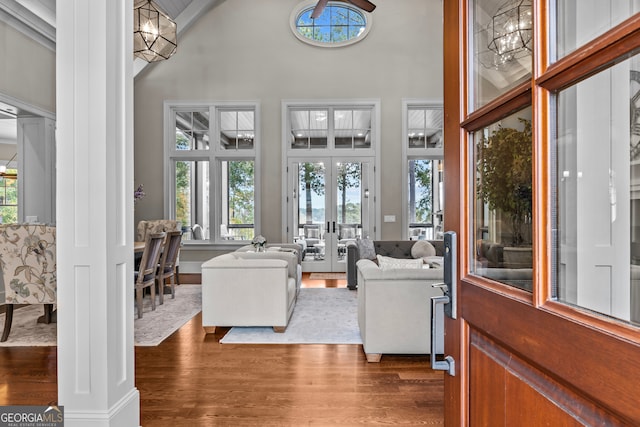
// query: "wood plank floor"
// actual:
[[192, 380]]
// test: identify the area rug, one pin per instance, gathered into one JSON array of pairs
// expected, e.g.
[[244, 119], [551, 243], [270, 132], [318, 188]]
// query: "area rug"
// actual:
[[328, 276], [321, 316], [152, 329]]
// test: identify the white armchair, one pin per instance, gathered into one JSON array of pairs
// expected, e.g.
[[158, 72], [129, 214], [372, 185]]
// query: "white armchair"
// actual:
[[249, 289], [394, 310]]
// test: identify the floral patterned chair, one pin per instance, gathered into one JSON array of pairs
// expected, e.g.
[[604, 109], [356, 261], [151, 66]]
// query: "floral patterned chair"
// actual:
[[153, 226], [28, 262]]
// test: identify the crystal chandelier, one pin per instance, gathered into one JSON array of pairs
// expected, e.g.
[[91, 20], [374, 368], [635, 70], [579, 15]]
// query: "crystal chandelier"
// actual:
[[154, 33], [510, 31]]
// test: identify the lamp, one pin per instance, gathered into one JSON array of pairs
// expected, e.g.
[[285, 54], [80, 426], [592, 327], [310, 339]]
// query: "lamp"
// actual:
[[154, 33], [510, 31]]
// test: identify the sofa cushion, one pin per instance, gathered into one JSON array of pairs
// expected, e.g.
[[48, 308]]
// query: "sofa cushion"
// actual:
[[366, 249], [422, 249], [290, 257], [389, 263]]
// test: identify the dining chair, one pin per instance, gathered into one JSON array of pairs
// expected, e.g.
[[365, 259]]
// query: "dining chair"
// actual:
[[145, 277], [167, 265], [150, 226], [28, 262]]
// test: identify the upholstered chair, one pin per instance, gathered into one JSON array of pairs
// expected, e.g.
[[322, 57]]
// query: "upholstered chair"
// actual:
[[159, 226], [28, 261], [167, 265]]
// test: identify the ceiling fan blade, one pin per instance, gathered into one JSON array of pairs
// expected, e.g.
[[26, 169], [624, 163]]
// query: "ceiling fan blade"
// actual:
[[365, 5], [319, 8]]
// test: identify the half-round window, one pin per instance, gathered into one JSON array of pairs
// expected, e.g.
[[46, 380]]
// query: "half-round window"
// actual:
[[340, 24]]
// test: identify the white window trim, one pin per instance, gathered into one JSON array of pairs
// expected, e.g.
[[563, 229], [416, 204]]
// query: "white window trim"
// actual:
[[215, 155], [293, 19], [373, 151], [414, 153]]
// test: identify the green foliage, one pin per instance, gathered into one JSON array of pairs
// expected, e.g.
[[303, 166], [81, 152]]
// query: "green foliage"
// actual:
[[505, 182], [424, 205], [9, 199], [241, 192]]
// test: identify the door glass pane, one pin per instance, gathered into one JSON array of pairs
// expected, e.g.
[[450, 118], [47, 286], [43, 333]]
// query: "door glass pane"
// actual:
[[597, 248], [192, 129], [311, 208], [238, 200], [500, 47], [309, 128], [192, 198], [580, 21], [237, 130], [426, 199], [503, 201], [349, 204], [9, 198]]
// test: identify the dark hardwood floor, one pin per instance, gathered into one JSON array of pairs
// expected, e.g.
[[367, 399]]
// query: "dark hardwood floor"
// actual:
[[192, 380]]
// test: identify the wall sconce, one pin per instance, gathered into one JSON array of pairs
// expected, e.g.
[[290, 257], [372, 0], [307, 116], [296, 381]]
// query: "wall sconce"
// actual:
[[154, 33]]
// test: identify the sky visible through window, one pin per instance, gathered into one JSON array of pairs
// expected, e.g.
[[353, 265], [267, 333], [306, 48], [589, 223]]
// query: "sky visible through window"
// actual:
[[338, 23]]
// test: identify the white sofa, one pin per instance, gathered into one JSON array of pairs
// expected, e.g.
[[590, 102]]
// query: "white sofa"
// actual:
[[394, 310], [250, 289]]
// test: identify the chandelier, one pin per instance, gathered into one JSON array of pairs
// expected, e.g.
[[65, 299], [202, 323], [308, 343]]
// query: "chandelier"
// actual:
[[154, 33], [510, 31]]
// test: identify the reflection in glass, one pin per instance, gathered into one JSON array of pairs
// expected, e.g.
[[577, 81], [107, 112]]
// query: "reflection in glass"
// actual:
[[501, 48], [580, 21], [192, 130], [503, 201], [192, 198], [597, 248]]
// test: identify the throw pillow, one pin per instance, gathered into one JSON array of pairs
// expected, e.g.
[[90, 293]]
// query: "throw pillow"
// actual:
[[366, 249], [422, 248], [388, 263]]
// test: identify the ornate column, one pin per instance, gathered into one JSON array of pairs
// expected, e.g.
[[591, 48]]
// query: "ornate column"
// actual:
[[94, 137]]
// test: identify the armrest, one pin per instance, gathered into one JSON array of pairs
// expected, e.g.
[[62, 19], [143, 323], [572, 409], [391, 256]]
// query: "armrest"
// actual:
[[289, 258], [371, 271], [353, 255]]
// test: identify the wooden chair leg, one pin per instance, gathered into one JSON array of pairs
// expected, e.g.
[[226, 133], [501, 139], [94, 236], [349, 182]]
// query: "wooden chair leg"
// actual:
[[173, 287], [8, 318], [139, 302], [153, 297], [160, 285]]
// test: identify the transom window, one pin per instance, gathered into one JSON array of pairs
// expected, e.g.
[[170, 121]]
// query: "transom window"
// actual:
[[339, 24]]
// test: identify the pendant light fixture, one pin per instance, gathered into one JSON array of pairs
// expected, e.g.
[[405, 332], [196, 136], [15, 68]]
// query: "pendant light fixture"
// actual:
[[154, 33]]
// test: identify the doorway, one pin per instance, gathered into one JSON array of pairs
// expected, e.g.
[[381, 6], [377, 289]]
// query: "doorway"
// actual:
[[331, 203]]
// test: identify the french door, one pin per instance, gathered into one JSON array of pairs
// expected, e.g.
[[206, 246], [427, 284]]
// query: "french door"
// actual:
[[553, 339], [330, 202]]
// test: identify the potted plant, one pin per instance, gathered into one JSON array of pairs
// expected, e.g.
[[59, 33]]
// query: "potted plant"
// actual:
[[504, 168]]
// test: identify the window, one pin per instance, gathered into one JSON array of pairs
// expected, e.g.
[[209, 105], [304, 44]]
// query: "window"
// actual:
[[423, 194], [330, 127], [212, 186], [340, 24], [8, 199]]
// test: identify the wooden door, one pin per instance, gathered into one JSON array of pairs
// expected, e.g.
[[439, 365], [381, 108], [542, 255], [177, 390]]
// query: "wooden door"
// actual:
[[536, 344]]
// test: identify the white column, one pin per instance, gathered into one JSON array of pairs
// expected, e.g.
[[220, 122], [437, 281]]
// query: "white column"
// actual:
[[95, 213]]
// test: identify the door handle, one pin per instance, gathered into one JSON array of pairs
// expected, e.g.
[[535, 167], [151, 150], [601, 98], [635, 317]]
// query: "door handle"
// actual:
[[334, 226], [437, 330], [327, 229], [448, 301]]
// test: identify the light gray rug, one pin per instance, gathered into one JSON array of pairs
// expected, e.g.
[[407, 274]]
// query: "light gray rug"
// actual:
[[321, 316], [152, 329]]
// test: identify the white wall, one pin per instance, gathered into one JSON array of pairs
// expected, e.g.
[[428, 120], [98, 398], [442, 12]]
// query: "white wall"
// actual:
[[244, 49]]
